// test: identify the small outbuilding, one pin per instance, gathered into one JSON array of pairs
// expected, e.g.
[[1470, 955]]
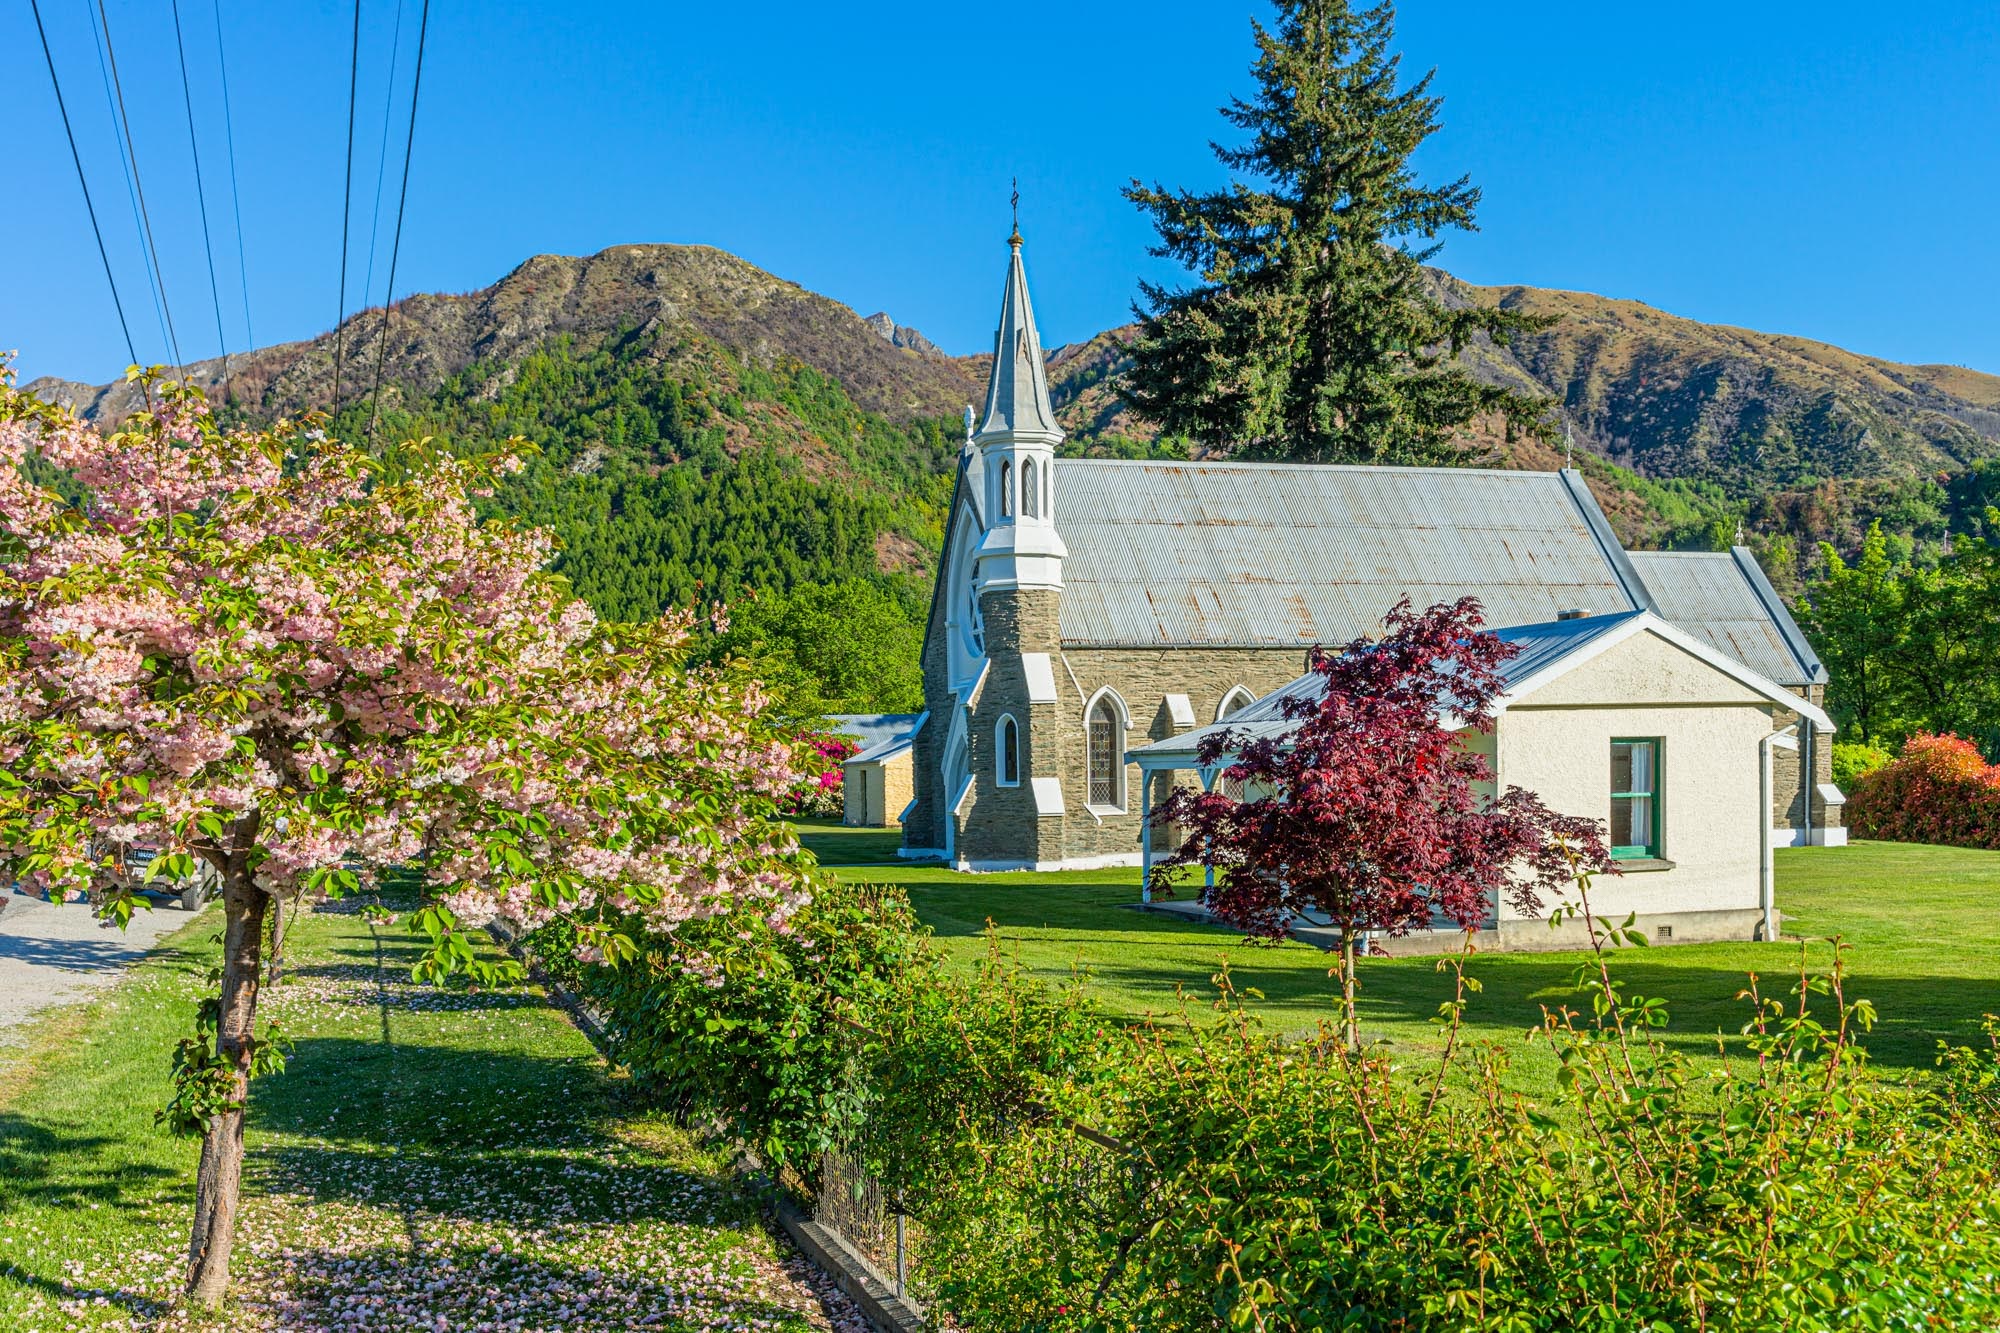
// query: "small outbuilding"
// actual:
[[1626, 719], [877, 783]]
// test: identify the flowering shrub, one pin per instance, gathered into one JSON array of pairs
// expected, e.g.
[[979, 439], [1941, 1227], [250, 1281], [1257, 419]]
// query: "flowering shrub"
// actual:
[[299, 663], [1939, 790], [818, 793]]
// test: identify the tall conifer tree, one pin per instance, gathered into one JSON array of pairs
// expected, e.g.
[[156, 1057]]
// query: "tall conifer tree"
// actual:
[[1312, 334]]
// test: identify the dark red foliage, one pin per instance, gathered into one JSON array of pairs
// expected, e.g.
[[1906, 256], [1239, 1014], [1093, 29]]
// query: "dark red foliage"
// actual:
[[1379, 819]]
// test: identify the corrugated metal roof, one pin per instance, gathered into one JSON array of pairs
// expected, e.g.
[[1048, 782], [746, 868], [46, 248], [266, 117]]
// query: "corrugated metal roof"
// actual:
[[1541, 645], [1288, 554], [1713, 597], [869, 730]]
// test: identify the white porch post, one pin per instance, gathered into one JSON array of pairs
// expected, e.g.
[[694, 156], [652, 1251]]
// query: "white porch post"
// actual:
[[1146, 837], [1207, 866]]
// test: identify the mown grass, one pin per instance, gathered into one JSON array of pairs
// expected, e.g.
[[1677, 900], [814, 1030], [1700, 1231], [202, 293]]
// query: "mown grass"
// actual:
[[1924, 923], [429, 1154]]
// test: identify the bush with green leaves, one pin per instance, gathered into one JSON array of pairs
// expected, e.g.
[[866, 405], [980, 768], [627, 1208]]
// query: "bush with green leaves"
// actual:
[[1854, 760], [1257, 1183], [1066, 1174]]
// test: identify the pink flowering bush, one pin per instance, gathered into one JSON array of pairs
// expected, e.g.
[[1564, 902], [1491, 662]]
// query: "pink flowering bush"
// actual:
[[819, 791], [1940, 789], [301, 663]]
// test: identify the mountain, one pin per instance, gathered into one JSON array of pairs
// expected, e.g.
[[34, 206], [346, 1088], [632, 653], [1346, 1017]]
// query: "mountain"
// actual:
[[706, 426]]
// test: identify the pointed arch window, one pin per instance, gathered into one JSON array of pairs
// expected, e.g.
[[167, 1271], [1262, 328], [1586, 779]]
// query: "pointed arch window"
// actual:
[[1106, 754], [1006, 490], [1031, 491], [1008, 752], [1233, 702]]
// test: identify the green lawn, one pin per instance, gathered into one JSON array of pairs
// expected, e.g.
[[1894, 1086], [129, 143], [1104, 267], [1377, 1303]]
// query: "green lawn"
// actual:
[[1924, 922], [430, 1159]]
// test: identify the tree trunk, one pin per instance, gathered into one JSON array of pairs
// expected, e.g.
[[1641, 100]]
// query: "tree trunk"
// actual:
[[1351, 1029], [219, 1179], [278, 921]]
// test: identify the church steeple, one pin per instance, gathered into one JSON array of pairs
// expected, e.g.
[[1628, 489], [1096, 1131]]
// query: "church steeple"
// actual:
[[1017, 439], [1017, 393]]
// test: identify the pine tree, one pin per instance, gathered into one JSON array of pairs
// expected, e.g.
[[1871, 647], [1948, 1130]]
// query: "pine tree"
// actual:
[[1313, 334]]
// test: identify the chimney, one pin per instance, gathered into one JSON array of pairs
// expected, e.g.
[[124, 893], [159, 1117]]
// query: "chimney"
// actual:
[[1574, 613]]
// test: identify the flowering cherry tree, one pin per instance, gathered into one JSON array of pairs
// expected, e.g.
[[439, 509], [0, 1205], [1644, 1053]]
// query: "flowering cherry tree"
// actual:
[[1374, 813], [278, 657]]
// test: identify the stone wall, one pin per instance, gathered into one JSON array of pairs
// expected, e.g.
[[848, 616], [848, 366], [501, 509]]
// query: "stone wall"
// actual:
[[1001, 826], [1143, 678]]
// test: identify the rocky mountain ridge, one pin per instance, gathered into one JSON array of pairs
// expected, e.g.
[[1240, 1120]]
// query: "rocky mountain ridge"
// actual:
[[1739, 415]]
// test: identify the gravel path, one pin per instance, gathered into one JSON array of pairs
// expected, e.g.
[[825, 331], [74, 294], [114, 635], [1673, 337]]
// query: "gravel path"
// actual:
[[52, 955]]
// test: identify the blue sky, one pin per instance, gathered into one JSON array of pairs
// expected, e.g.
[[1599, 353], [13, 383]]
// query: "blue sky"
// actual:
[[1830, 170]]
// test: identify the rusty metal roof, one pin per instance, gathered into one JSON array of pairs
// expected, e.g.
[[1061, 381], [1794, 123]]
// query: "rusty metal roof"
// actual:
[[1264, 555], [1723, 599]]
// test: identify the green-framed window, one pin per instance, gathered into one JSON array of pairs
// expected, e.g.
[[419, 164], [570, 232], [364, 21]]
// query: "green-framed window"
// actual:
[[1635, 797]]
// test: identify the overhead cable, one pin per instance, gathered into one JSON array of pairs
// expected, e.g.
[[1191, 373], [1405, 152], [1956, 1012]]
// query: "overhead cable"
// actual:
[[139, 184], [235, 200], [402, 198], [201, 197], [346, 207], [382, 153], [125, 168], [89, 207]]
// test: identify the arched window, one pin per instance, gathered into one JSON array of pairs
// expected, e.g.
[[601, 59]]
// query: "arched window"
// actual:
[[1006, 489], [1106, 755], [1233, 702], [1031, 494], [1008, 756]]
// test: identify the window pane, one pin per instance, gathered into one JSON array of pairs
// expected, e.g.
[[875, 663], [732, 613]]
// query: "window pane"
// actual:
[[1632, 766], [1010, 752], [1632, 822], [1103, 757]]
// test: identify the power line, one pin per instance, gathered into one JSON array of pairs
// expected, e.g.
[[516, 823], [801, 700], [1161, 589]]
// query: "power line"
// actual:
[[201, 196], [139, 184], [235, 200], [89, 207], [402, 198], [382, 153], [131, 196], [346, 205]]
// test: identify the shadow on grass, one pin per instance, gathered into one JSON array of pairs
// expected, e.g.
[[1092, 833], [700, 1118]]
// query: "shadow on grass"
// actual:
[[48, 1168]]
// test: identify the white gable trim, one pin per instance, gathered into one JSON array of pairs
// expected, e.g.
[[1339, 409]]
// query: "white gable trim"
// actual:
[[1647, 622]]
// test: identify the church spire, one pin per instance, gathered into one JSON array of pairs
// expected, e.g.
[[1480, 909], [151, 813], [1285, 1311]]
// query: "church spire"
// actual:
[[1017, 394]]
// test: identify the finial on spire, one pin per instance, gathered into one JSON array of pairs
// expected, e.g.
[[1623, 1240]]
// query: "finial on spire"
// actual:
[[1015, 239], [1569, 444]]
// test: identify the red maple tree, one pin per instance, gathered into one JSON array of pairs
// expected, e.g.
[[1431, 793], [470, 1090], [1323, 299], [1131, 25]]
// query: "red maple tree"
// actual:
[[1369, 809]]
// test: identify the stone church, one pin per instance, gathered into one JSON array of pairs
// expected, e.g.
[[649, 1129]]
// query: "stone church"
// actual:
[[1086, 608]]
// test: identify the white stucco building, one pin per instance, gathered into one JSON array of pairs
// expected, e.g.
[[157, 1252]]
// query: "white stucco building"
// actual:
[[1629, 720]]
